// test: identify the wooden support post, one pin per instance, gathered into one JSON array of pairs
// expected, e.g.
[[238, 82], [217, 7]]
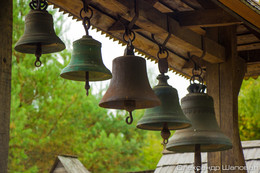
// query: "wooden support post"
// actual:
[[6, 21], [223, 82]]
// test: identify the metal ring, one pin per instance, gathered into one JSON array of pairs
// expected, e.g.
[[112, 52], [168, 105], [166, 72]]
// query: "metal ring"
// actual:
[[163, 51], [37, 61], [131, 33], [91, 13], [199, 70], [38, 5], [165, 141], [193, 79]]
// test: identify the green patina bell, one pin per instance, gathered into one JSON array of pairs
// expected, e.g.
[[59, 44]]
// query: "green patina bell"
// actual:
[[39, 32], [169, 115], [199, 108], [169, 111], [86, 57]]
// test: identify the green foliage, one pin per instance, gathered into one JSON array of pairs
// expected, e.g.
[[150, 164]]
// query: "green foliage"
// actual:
[[249, 110]]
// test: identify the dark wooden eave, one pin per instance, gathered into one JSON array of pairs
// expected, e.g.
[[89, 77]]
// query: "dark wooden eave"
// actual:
[[187, 22]]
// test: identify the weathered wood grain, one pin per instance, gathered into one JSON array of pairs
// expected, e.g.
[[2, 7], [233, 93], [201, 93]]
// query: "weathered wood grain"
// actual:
[[223, 82], [205, 18], [5, 79]]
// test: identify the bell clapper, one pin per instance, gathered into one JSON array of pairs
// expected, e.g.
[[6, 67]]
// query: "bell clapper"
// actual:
[[197, 155], [38, 54], [129, 105], [129, 119], [87, 86], [165, 134]]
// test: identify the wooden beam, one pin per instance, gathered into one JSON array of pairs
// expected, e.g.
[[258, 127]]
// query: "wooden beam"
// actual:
[[6, 20], [155, 22], [205, 18], [247, 38], [223, 84], [250, 46], [241, 11], [253, 69], [152, 21]]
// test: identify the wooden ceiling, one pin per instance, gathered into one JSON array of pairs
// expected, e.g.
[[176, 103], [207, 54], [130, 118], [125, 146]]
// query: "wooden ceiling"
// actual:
[[188, 22]]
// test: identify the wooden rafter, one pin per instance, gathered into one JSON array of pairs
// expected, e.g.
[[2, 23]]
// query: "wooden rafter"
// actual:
[[215, 18], [187, 22]]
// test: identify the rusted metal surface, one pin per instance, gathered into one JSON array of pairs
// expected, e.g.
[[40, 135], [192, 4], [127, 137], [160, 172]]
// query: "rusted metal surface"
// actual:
[[129, 87], [39, 35]]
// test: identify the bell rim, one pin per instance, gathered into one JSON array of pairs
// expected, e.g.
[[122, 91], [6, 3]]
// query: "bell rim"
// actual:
[[106, 104], [205, 147], [171, 125], [103, 75], [59, 47], [189, 137]]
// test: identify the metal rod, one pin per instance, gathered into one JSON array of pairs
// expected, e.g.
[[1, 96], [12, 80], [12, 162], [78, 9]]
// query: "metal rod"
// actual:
[[87, 86], [197, 159]]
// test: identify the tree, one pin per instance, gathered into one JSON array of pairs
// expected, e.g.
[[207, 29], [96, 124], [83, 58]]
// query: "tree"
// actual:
[[249, 110]]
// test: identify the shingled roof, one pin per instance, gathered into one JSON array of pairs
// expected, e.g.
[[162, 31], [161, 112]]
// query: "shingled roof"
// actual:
[[183, 162], [68, 164]]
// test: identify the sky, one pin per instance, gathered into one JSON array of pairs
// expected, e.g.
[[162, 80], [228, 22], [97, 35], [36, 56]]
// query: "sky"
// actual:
[[111, 50]]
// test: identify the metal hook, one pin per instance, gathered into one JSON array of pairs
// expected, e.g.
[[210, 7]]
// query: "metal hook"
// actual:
[[132, 23], [162, 47], [129, 119], [203, 45], [85, 5]]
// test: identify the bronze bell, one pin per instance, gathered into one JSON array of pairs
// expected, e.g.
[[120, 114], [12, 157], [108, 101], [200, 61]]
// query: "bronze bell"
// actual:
[[129, 87], [86, 56], [39, 34], [169, 111], [199, 108], [86, 62]]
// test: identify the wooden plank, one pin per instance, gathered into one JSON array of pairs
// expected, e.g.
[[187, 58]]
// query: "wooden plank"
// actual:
[[251, 46], [224, 84], [177, 5], [161, 7], [247, 38], [253, 69], [241, 11], [205, 18], [5, 79], [153, 21]]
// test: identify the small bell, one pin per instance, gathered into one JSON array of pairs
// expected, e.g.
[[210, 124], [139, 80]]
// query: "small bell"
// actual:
[[169, 114], [39, 35], [199, 108], [86, 62], [169, 111], [129, 87]]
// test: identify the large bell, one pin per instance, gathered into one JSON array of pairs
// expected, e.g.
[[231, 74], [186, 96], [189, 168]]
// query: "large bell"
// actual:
[[169, 111], [129, 87], [39, 34], [199, 108], [86, 57]]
